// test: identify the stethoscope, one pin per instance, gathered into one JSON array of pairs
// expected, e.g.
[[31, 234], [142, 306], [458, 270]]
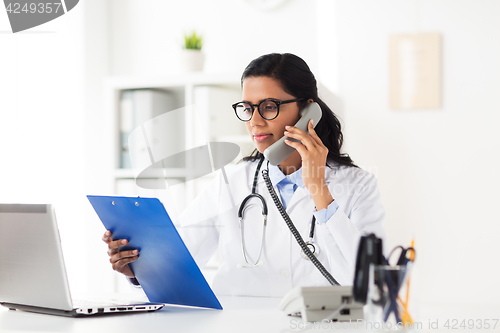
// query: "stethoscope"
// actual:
[[313, 247]]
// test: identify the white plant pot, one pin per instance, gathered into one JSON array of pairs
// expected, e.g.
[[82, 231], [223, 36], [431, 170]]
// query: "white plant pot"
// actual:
[[192, 60]]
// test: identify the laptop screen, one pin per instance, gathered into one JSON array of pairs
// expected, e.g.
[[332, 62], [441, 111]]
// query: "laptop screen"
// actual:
[[32, 270]]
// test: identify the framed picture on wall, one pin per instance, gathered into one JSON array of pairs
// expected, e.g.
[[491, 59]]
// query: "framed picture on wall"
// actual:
[[415, 71]]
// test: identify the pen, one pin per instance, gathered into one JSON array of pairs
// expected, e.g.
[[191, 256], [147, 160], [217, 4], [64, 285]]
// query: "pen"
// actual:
[[406, 315]]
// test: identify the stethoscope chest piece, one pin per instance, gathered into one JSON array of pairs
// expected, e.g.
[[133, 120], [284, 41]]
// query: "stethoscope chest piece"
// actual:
[[313, 247]]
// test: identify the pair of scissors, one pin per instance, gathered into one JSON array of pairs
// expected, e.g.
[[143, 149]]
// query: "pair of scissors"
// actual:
[[406, 255]]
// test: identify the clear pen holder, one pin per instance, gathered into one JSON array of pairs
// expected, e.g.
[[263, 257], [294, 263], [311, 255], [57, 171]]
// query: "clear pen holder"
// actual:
[[387, 299]]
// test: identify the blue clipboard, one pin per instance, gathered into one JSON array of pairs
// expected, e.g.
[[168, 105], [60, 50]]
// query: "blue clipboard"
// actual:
[[165, 269]]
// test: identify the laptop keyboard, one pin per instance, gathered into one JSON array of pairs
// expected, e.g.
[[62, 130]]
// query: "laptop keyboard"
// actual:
[[94, 304]]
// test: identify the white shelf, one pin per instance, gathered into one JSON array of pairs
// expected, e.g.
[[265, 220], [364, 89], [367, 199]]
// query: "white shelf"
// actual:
[[175, 81], [211, 94]]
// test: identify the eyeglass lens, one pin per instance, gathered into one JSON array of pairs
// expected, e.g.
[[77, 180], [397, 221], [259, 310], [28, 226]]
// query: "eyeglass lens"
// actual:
[[268, 110]]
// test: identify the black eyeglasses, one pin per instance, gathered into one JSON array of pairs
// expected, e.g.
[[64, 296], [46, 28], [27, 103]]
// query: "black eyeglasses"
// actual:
[[268, 108]]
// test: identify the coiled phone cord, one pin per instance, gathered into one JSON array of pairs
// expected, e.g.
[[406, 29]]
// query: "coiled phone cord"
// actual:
[[295, 232]]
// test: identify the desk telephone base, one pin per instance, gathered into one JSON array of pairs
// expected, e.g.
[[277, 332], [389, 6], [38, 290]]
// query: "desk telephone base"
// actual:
[[315, 304]]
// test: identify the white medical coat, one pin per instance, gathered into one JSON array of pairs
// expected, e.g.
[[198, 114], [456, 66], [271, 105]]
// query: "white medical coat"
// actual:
[[211, 222]]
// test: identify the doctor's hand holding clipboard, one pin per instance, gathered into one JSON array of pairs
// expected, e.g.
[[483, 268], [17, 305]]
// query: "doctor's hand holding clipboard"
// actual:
[[120, 259], [295, 183]]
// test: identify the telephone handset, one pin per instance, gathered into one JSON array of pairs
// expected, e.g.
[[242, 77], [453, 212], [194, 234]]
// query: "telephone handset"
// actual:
[[279, 151]]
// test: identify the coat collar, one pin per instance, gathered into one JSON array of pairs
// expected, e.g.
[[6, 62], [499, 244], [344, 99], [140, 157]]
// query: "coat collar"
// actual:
[[329, 172], [277, 176]]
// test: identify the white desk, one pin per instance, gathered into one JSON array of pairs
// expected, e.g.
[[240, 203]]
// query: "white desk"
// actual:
[[240, 314]]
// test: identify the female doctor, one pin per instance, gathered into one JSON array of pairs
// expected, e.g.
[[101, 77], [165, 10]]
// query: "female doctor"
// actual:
[[330, 201]]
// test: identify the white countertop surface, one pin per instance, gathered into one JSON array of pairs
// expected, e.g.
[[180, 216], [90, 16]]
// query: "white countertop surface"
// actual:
[[240, 314]]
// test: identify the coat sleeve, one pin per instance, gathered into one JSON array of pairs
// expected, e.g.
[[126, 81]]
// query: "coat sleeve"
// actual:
[[198, 223], [361, 213]]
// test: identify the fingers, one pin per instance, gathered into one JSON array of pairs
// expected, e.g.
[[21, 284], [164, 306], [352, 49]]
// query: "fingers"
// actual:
[[120, 259], [121, 266], [114, 246], [298, 146], [303, 137], [310, 144], [111, 243], [106, 238], [313, 134], [124, 256]]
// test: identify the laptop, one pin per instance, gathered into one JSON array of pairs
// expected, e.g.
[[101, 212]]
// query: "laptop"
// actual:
[[32, 271]]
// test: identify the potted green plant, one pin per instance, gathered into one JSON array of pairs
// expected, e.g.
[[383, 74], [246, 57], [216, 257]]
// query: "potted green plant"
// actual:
[[192, 56]]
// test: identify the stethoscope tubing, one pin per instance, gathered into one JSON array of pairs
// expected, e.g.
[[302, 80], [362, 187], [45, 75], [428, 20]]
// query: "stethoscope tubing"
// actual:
[[313, 247], [296, 233]]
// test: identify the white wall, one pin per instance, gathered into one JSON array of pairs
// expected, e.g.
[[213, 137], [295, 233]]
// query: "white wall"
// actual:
[[147, 35], [51, 120], [437, 169], [98, 172], [41, 132]]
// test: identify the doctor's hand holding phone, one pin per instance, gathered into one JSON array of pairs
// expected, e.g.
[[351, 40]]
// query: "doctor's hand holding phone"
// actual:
[[292, 212]]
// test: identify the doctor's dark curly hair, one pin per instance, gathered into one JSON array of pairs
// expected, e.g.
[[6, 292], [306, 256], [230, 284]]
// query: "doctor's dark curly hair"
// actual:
[[297, 80]]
